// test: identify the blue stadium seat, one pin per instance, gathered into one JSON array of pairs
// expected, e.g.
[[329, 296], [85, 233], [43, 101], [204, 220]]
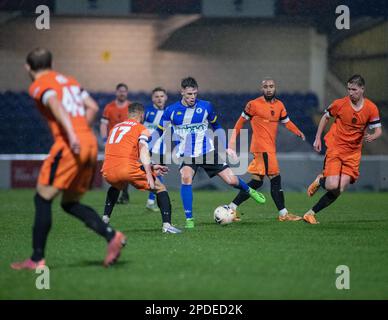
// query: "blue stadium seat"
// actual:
[[24, 131]]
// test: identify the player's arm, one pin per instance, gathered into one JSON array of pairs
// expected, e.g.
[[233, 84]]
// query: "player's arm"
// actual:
[[377, 132], [321, 127], [289, 124], [145, 159], [104, 122], [91, 107], [63, 119], [104, 128], [236, 131], [375, 126]]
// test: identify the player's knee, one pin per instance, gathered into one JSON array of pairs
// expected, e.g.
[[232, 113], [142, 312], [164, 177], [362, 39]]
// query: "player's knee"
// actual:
[[186, 179], [232, 181], [67, 206], [160, 187], [331, 186]]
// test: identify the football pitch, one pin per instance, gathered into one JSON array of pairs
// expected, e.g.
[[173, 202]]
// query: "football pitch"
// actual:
[[257, 258]]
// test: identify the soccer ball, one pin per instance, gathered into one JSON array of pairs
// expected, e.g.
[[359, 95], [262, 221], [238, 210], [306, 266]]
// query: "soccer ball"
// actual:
[[223, 215]]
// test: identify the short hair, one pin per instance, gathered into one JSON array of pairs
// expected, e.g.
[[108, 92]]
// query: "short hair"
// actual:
[[39, 59], [121, 85], [357, 79], [189, 82], [135, 108], [159, 89]]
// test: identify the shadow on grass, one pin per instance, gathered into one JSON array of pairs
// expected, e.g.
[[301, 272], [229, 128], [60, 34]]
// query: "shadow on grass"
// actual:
[[90, 263]]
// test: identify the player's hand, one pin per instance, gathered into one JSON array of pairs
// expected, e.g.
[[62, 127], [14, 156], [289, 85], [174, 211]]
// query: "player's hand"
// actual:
[[160, 170], [150, 180], [74, 143], [302, 136], [369, 137], [231, 153], [317, 145]]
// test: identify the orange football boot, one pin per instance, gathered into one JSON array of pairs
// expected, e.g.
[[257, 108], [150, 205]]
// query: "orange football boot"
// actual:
[[28, 265], [310, 218], [289, 217], [114, 249], [314, 186]]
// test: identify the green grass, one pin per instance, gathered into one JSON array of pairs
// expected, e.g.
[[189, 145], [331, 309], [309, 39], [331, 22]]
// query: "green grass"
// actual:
[[258, 258]]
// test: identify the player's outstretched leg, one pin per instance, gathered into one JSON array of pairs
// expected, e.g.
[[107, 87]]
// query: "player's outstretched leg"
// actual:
[[334, 185], [228, 176], [110, 201], [116, 240], [316, 184], [242, 196], [278, 198]]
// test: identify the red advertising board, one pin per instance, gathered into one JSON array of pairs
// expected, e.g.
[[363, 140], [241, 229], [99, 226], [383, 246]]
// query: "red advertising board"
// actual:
[[24, 173]]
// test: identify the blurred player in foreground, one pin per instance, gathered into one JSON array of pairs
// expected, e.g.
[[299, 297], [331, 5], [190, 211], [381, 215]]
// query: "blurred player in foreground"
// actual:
[[114, 113], [352, 115], [265, 113], [126, 144], [69, 168]]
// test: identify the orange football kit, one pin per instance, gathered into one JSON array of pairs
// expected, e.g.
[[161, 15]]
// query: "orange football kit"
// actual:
[[264, 117], [344, 139], [63, 169], [121, 164]]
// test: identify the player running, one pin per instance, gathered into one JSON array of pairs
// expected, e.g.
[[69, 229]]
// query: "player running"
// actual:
[[153, 114], [352, 115], [126, 144], [190, 119], [265, 113], [69, 168], [114, 113]]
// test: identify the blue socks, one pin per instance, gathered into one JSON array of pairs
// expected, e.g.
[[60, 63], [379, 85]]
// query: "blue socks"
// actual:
[[242, 185], [187, 199]]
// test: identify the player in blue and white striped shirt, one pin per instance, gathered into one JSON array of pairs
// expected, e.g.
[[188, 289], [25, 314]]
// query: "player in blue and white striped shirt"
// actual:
[[152, 117], [193, 120]]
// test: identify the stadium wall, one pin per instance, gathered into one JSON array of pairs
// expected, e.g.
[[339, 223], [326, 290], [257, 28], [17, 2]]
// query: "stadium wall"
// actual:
[[225, 56], [297, 170], [365, 53]]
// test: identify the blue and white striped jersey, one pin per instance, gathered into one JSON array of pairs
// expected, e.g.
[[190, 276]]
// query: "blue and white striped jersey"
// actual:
[[191, 126], [152, 119]]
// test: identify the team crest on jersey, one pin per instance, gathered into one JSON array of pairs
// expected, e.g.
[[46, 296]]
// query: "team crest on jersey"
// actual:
[[152, 113], [272, 113], [198, 110], [178, 113], [354, 120]]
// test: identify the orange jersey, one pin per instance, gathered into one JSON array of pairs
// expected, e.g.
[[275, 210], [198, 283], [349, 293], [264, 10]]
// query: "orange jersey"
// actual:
[[265, 117], [69, 92], [347, 132], [122, 146], [114, 114]]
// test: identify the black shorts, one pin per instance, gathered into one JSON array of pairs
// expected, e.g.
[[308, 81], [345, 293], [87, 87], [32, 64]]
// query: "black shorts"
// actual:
[[210, 162]]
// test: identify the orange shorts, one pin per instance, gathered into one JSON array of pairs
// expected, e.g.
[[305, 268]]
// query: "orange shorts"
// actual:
[[337, 163], [264, 163], [67, 171], [119, 176]]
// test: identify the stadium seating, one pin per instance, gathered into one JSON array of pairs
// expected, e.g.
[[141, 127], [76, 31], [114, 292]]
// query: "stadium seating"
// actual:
[[23, 130]]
